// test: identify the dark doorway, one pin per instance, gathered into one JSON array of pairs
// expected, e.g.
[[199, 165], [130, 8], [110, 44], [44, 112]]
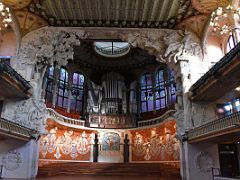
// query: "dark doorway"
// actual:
[[228, 155]]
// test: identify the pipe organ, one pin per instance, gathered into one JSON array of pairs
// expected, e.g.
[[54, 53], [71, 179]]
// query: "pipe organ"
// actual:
[[114, 94], [109, 98]]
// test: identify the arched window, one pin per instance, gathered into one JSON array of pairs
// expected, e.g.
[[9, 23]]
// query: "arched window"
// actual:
[[146, 93], [49, 86], [76, 102], [62, 93], [160, 91]]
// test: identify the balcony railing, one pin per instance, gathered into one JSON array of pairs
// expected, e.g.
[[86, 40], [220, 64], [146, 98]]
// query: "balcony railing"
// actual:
[[111, 121], [218, 125], [65, 120], [5, 68], [15, 130], [157, 120]]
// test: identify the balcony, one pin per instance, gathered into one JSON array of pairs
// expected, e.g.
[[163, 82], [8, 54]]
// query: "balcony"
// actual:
[[12, 85], [66, 121], [223, 126], [221, 78], [157, 120], [10, 129]]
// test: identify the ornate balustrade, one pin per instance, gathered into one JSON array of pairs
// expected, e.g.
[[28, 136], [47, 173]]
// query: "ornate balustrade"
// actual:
[[107, 121], [215, 126], [65, 120], [5, 68], [12, 129], [157, 120]]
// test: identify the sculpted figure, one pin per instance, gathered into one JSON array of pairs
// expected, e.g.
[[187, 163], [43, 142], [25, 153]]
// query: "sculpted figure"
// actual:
[[181, 44], [174, 45]]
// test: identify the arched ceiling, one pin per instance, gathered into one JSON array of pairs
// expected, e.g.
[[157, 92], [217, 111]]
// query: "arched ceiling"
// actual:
[[172, 14]]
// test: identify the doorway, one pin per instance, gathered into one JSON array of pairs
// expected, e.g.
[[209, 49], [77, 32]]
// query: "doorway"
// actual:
[[228, 156]]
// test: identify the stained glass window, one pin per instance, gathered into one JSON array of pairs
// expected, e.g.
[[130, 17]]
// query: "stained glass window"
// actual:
[[62, 93], [146, 98], [76, 102], [172, 87], [230, 43], [160, 90], [49, 85], [165, 90]]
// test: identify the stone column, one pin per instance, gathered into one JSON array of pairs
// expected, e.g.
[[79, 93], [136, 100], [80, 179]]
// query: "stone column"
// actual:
[[153, 92], [138, 96], [85, 96], [70, 82], [167, 86], [56, 75]]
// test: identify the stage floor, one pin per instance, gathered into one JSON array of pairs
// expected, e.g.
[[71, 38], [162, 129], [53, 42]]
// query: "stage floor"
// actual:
[[89, 177]]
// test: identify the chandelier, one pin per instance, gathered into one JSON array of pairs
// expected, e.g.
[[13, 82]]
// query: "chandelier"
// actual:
[[5, 16], [222, 19]]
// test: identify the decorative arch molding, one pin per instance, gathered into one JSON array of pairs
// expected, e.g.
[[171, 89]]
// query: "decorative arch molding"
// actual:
[[49, 44]]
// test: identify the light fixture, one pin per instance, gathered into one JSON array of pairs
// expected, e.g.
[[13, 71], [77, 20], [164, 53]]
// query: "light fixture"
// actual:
[[237, 88], [222, 19], [5, 16]]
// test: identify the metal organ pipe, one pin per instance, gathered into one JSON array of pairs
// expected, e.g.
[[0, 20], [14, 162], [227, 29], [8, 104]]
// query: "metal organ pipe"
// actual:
[[113, 85]]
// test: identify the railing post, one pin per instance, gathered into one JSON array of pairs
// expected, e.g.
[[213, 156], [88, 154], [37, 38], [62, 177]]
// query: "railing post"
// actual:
[[126, 149], [95, 149]]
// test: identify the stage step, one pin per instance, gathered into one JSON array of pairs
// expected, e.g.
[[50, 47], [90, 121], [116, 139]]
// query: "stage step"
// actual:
[[108, 169]]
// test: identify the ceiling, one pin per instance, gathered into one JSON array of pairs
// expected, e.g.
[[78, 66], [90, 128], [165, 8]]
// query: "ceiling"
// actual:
[[180, 14], [118, 13]]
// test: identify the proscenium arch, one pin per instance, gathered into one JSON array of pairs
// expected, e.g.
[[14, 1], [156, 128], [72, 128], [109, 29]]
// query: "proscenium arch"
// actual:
[[48, 45], [152, 40]]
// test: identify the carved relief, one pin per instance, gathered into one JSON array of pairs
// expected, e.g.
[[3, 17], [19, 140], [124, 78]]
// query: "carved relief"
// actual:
[[12, 160], [204, 162], [167, 44], [30, 113]]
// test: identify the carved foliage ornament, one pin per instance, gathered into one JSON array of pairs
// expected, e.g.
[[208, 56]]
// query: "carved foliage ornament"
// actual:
[[46, 45], [171, 45]]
